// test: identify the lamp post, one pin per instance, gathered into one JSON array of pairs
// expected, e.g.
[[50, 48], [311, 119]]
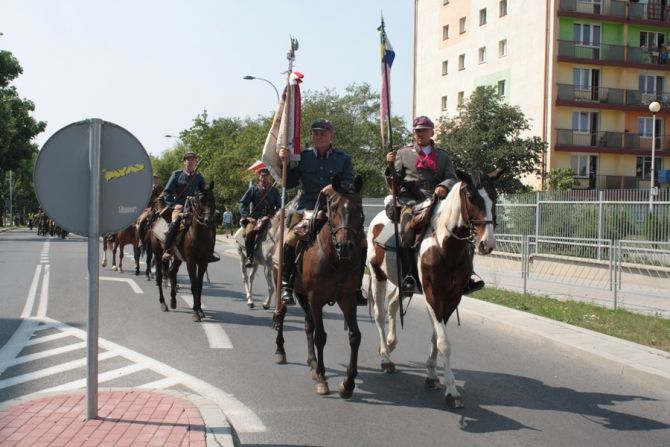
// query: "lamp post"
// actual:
[[654, 108], [251, 78]]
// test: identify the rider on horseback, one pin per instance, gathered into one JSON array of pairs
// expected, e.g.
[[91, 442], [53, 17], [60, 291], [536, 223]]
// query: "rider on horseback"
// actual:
[[265, 201], [423, 173], [314, 172], [182, 183]]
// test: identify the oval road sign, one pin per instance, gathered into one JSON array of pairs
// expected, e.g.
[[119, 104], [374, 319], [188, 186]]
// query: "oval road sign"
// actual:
[[62, 177]]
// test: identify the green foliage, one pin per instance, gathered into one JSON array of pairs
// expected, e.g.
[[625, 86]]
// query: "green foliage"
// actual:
[[561, 179], [17, 130], [487, 134]]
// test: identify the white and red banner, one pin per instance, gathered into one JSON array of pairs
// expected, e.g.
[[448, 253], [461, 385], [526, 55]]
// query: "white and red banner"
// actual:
[[285, 129]]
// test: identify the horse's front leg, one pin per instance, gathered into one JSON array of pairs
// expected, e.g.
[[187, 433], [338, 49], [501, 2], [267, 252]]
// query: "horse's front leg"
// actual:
[[120, 269], [349, 310], [104, 253], [250, 295], [278, 324], [196, 289], [440, 344], [172, 275], [136, 254], [267, 271], [159, 283], [379, 309], [148, 259], [320, 337]]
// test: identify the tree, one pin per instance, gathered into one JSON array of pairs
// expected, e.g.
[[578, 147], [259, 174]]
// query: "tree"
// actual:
[[561, 179], [487, 134], [17, 130]]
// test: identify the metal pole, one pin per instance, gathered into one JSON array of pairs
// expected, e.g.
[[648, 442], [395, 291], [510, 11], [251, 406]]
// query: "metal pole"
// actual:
[[653, 155], [11, 200], [249, 78], [95, 131]]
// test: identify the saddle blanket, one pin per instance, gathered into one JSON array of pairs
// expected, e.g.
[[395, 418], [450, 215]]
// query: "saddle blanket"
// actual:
[[160, 228], [386, 239]]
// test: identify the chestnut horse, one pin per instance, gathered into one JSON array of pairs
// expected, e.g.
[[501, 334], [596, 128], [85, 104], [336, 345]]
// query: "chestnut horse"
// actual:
[[329, 273], [465, 217], [128, 236]]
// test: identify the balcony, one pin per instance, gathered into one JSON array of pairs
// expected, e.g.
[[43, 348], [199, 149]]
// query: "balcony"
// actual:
[[607, 97], [602, 182], [616, 9], [610, 142], [608, 54]]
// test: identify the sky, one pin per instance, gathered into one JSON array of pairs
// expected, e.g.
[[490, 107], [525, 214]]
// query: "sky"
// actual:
[[151, 66]]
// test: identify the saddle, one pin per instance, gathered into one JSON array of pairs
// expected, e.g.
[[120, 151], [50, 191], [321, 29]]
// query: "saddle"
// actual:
[[307, 229]]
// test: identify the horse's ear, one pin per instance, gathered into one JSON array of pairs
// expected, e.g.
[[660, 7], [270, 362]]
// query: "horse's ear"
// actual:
[[358, 184], [336, 182], [463, 176], [497, 172]]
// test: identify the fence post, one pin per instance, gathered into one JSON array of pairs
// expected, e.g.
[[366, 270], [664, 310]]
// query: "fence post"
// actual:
[[524, 261], [600, 223], [617, 267], [537, 217]]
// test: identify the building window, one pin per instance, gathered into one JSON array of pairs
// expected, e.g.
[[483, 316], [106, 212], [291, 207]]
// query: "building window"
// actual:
[[651, 41], [445, 32], [461, 25], [482, 17], [643, 167], [461, 98], [503, 8], [501, 88], [461, 62], [443, 103], [644, 127], [482, 55], [445, 68], [502, 48], [581, 165]]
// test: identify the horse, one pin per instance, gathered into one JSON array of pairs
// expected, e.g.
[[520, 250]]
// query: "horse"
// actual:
[[262, 258], [330, 272], [195, 248], [128, 236], [465, 217]]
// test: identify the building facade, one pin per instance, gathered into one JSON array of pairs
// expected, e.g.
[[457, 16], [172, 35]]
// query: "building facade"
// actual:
[[582, 71]]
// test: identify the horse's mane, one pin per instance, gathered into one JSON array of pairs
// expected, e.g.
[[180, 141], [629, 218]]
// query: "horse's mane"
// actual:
[[447, 215]]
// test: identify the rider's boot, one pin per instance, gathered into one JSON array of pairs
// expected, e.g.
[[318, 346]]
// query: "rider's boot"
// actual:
[[360, 299], [173, 229], [408, 285], [474, 283], [288, 269], [249, 245]]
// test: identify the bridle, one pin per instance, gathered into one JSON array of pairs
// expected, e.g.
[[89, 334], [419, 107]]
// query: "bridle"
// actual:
[[470, 222], [196, 209]]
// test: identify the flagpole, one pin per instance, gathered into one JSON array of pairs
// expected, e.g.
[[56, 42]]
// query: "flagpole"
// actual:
[[279, 304], [394, 181]]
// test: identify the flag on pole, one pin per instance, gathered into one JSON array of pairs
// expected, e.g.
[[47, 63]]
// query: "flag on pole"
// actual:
[[288, 114], [387, 56]]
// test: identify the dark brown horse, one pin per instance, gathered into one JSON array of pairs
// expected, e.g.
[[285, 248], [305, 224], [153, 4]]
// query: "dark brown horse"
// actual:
[[330, 273], [128, 236], [463, 221], [195, 248]]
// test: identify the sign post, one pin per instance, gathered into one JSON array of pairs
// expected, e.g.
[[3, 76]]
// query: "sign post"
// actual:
[[93, 177]]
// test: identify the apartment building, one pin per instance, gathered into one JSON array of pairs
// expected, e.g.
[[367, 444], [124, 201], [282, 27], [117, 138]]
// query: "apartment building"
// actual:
[[583, 72]]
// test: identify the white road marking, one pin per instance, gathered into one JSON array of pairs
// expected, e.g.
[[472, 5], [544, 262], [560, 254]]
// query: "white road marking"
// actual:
[[44, 293], [45, 354], [131, 282], [216, 335]]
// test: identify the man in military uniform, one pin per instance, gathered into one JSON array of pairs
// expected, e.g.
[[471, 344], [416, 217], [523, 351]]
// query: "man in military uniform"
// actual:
[[314, 172], [182, 183], [264, 200], [421, 172]]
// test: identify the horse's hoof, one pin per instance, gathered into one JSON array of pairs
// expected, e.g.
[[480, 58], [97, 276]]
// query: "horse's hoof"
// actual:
[[432, 384], [173, 303], [137, 273], [388, 367], [322, 388], [251, 305], [454, 401], [201, 313], [196, 318], [266, 306], [115, 268], [344, 392], [280, 359], [164, 307]]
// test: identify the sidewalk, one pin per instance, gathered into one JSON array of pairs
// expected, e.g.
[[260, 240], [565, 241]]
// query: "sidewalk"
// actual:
[[126, 417], [139, 417]]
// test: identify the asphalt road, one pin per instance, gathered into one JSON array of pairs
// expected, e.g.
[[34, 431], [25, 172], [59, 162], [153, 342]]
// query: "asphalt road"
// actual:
[[518, 391]]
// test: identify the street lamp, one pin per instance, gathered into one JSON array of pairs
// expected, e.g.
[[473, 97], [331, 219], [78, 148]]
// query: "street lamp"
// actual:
[[654, 108], [251, 78]]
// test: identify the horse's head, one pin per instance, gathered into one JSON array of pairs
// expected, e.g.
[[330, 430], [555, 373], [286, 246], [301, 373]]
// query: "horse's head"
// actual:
[[204, 206], [478, 198], [345, 216]]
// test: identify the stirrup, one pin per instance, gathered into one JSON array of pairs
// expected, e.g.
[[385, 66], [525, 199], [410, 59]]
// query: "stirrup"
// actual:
[[287, 297], [408, 286], [167, 256], [360, 299], [473, 285], [214, 258], [249, 263]]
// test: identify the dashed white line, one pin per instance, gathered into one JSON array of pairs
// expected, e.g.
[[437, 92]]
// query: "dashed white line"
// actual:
[[216, 335]]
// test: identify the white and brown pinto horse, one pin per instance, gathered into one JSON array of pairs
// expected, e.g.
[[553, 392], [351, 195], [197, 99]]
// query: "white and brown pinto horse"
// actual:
[[464, 217]]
